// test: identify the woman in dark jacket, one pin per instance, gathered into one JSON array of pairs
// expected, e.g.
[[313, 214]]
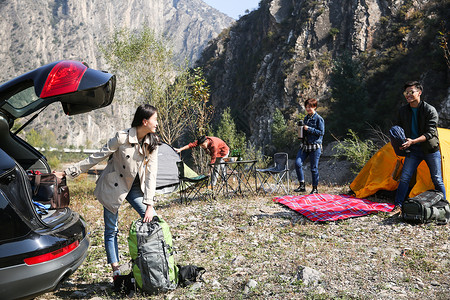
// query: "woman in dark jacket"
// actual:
[[313, 129]]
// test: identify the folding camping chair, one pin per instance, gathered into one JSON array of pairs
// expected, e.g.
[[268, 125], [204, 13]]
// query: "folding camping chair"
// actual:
[[190, 187], [277, 177]]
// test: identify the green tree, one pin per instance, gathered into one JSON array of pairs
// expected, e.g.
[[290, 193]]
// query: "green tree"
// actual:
[[200, 95], [34, 138], [203, 112], [227, 131], [41, 139], [284, 133], [279, 128], [350, 107], [147, 66]]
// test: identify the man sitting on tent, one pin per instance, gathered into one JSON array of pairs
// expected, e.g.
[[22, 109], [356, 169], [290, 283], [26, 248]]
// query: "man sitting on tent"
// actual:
[[215, 147], [419, 121]]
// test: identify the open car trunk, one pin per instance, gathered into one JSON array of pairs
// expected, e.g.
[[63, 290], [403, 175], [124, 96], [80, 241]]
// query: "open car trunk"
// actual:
[[78, 88]]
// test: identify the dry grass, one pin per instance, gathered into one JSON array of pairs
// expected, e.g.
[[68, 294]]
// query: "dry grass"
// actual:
[[252, 238]]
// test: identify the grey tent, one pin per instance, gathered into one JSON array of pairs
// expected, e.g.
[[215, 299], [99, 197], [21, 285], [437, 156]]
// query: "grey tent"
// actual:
[[167, 176]]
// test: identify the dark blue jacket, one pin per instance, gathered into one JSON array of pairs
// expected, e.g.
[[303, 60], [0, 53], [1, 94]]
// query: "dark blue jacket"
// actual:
[[316, 128]]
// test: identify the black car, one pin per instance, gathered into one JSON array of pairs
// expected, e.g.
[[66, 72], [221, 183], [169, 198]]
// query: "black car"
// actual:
[[38, 251]]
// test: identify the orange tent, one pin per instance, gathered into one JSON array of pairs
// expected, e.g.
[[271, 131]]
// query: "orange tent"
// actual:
[[383, 170]]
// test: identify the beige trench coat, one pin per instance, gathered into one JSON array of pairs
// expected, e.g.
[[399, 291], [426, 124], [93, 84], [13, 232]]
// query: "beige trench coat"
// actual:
[[127, 159]]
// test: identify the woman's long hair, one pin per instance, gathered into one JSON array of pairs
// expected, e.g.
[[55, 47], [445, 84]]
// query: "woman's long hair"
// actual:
[[145, 111]]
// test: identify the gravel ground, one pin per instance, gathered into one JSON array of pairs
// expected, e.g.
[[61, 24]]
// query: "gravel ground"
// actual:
[[253, 248]]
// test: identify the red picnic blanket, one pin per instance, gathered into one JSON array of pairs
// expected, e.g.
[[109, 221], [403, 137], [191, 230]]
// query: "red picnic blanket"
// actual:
[[326, 207]]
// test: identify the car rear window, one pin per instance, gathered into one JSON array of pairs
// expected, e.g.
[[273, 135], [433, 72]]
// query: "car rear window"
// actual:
[[23, 98]]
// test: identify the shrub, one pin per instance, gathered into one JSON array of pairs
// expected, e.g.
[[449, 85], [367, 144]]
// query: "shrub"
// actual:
[[284, 134], [227, 131], [355, 150]]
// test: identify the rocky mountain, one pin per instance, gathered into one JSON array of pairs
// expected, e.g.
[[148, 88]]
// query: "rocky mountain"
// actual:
[[38, 32], [288, 51]]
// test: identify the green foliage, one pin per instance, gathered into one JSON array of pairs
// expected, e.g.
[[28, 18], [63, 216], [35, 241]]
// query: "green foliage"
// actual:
[[200, 95], [44, 139], [201, 113], [350, 106], [279, 128], [146, 65], [53, 161], [354, 150], [284, 133], [33, 138], [227, 131], [333, 32]]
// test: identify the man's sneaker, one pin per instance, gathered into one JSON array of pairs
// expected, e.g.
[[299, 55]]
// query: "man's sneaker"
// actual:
[[395, 211], [314, 191]]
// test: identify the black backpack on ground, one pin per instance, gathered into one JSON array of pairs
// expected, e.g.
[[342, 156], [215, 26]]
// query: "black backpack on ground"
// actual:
[[189, 274], [426, 207]]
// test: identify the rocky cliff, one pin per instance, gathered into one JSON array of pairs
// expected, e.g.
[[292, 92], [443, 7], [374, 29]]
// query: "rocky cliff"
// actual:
[[38, 32], [286, 52]]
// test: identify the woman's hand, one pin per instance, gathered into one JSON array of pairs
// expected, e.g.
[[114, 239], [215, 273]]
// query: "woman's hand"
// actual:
[[305, 127], [148, 214], [60, 174]]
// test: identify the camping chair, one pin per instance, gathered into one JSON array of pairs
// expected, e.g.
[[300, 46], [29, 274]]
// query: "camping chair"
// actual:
[[190, 187], [279, 173]]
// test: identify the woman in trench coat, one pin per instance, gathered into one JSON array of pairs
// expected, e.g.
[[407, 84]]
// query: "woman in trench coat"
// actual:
[[130, 175]]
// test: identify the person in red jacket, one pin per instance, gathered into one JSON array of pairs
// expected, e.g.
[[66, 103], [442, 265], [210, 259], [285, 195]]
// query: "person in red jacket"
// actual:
[[215, 147]]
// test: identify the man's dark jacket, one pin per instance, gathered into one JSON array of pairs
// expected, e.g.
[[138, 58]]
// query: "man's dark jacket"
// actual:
[[427, 120]]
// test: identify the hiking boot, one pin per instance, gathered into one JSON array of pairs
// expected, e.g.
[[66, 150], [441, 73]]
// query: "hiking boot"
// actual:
[[397, 210], [314, 190], [301, 188], [116, 280]]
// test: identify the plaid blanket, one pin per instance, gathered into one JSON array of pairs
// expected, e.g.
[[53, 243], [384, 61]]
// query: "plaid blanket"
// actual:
[[325, 207]]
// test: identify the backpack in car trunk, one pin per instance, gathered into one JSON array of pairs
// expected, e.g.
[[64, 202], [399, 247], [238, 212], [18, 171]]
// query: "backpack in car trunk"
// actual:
[[426, 207], [150, 246]]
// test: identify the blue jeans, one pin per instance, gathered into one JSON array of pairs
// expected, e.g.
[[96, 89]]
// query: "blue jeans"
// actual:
[[134, 197], [412, 161], [314, 160]]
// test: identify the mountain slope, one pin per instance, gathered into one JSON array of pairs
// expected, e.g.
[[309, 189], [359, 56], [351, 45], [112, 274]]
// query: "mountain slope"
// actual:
[[286, 52], [38, 32]]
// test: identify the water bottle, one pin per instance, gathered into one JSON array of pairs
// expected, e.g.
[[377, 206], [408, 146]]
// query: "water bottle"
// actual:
[[300, 129]]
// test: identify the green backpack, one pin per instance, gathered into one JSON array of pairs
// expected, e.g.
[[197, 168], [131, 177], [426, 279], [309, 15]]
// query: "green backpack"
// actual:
[[150, 246], [426, 207]]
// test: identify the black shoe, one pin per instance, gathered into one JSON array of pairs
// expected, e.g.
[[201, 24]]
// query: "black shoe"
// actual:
[[301, 188], [314, 191], [397, 210]]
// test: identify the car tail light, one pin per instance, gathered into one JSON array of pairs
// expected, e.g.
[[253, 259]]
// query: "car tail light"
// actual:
[[52, 255], [64, 78]]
